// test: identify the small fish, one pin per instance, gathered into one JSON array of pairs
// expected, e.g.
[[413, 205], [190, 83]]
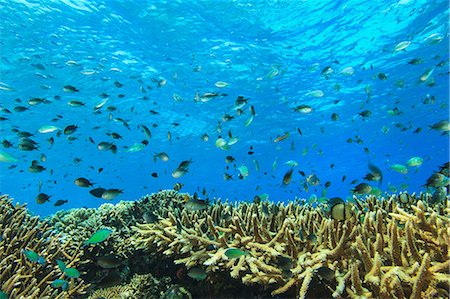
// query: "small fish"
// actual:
[[401, 46], [75, 103], [414, 162], [194, 204], [221, 84], [110, 194], [178, 186], [60, 202], [146, 130], [48, 129], [108, 261], [70, 89], [305, 109], [82, 182], [7, 158], [229, 159], [161, 156], [313, 180], [234, 253], [97, 192], [243, 171], [439, 195], [60, 283], [288, 177], [205, 137], [362, 189], [6, 87], [72, 272], [442, 126], [31, 255], [316, 93], [70, 129], [197, 273], [99, 236], [154, 174], [399, 168], [179, 172], [334, 117], [42, 198], [282, 137], [339, 210]]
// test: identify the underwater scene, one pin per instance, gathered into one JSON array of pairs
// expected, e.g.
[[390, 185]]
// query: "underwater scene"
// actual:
[[224, 149]]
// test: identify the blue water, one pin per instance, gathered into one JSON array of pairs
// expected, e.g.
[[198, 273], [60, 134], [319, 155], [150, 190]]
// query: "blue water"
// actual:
[[271, 52]]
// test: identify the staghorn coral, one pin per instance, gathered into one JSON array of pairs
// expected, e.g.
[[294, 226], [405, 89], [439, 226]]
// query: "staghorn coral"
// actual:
[[21, 278], [384, 250], [140, 286]]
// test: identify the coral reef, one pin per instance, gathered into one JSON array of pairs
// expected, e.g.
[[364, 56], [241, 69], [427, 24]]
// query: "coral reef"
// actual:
[[389, 248], [140, 286], [28, 254]]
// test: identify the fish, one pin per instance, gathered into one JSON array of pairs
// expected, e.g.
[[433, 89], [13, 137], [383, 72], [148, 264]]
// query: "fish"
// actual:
[[6, 87], [177, 186], [287, 177], [75, 103], [72, 272], [414, 162], [375, 174], [70, 129], [82, 182], [197, 273], [401, 46], [108, 261], [305, 109], [334, 117], [146, 131], [362, 189], [60, 283], [110, 194], [281, 137], [161, 156], [234, 253], [399, 168], [313, 180], [339, 210], [316, 93], [221, 84], [97, 192], [47, 129], [99, 236], [60, 202], [442, 126], [205, 137], [243, 171], [195, 204], [70, 89], [42, 198], [179, 172], [7, 158]]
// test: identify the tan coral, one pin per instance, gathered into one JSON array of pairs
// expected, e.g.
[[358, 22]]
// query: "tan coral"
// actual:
[[21, 278], [387, 238]]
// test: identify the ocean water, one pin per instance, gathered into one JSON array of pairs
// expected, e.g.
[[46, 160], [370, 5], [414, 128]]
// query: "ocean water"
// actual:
[[154, 60]]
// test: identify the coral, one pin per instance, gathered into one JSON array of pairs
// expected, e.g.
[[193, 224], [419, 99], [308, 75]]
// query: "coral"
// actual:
[[22, 276], [386, 249], [140, 286]]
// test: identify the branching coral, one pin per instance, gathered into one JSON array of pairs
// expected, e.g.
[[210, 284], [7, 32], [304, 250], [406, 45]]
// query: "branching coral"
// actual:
[[28, 254], [384, 250]]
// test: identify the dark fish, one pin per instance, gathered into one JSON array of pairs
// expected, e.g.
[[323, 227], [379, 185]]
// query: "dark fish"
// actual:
[[82, 182], [70, 129], [42, 198], [177, 186], [185, 164], [108, 261], [70, 88], [97, 192], [154, 174], [288, 177], [60, 202], [375, 174]]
